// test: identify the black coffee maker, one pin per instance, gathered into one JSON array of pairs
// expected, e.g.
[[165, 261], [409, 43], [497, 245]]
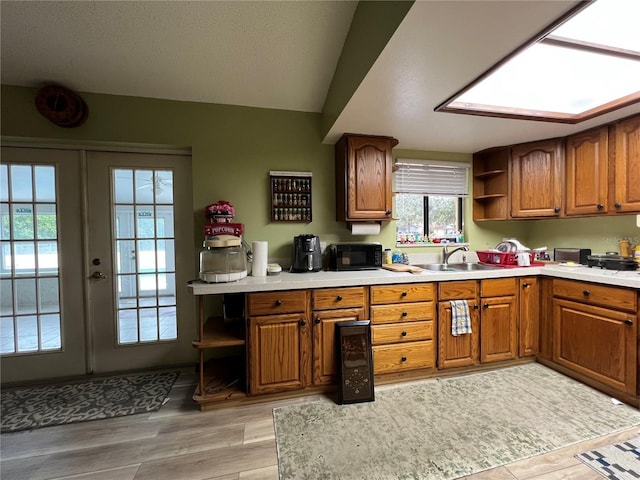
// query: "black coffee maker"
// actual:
[[306, 254]]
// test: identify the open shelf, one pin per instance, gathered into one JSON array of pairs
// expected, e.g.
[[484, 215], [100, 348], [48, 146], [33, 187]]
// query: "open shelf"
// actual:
[[223, 379], [218, 334], [491, 195], [490, 173]]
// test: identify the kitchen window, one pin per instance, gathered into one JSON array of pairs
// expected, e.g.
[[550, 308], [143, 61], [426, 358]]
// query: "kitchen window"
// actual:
[[429, 201]]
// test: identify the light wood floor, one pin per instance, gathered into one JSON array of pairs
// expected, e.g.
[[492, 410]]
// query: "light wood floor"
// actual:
[[181, 443]]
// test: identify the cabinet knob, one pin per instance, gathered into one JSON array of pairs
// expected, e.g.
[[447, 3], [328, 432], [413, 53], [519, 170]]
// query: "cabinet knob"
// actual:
[[388, 212], [556, 210], [628, 322], [617, 205], [339, 298], [486, 305], [317, 320], [600, 206], [404, 334], [586, 293], [404, 359], [404, 314], [404, 294], [303, 323], [278, 303], [475, 307], [526, 285]]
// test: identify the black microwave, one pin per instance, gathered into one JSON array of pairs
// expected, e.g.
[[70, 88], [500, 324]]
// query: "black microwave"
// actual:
[[354, 256]]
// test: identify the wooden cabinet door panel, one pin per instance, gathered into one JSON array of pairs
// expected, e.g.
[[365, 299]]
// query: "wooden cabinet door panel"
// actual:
[[627, 166], [587, 160], [461, 350], [498, 323], [596, 342], [404, 356], [278, 353], [419, 292], [402, 312], [401, 333], [324, 340], [536, 179], [529, 307]]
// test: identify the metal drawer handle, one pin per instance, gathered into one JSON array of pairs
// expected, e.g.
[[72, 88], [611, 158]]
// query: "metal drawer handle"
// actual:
[[628, 322], [404, 334], [404, 314], [339, 298], [486, 305], [404, 294], [278, 303], [303, 323], [586, 293], [404, 359], [526, 285], [318, 320]]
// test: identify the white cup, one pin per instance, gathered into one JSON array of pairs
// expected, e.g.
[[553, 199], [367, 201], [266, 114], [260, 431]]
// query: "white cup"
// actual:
[[523, 259]]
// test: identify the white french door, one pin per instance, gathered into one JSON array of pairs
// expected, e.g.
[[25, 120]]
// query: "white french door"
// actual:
[[96, 252]]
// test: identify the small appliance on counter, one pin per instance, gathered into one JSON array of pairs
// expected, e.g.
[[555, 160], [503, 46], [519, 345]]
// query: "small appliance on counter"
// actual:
[[575, 255], [224, 255], [354, 256], [306, 256], [612, 261]]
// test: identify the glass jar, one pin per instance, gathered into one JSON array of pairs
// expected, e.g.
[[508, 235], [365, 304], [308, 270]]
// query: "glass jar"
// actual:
[[222, 259]]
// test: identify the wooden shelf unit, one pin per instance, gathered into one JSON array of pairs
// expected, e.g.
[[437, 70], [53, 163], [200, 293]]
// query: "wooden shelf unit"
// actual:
[[291, 196], [491, 184]]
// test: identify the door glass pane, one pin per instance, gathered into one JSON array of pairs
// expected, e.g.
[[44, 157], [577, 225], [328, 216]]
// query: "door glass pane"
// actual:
[[45, 184], [145, 255], [21, 186], [30, 297], [23, 221]]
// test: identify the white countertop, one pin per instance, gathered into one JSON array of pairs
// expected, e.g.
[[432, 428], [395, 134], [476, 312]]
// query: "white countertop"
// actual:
[[322, 279]]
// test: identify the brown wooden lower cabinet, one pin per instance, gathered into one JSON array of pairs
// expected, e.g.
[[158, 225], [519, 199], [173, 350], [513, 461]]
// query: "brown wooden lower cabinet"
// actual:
[[461, 350], [529, 314], [402, 326], [597, 336], [498, 320]]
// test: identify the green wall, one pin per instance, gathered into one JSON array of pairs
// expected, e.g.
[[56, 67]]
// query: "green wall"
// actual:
[[234, 148]]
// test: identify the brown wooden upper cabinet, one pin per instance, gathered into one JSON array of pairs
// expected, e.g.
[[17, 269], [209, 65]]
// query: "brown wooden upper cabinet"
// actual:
[[363, 178], [626, 190], [587, 161], [536, 179]]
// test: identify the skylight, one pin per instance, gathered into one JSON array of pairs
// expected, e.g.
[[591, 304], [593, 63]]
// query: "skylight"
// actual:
[[584, 67]]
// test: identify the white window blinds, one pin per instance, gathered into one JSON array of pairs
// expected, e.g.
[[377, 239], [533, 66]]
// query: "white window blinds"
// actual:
[[431, 177]]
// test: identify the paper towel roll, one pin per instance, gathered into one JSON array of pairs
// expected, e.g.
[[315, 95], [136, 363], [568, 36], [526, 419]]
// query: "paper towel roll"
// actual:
[[260, 258], [365, 229]]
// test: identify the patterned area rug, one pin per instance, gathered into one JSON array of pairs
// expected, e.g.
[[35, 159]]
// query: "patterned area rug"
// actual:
[[615, 462], [26, 408], [441, 429]]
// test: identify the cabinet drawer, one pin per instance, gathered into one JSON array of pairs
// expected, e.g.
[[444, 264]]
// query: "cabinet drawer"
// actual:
[[419, 292], [329, 298], [403, 312], [457, 290], [618, 298], [497, 287], [404, 356], [277, 302], [401, 332]]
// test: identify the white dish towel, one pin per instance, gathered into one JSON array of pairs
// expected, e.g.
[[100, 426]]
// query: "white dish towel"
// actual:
[[460, 318]]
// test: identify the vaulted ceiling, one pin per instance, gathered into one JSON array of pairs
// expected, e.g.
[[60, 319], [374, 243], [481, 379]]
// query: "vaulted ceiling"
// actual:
[[285, 55]]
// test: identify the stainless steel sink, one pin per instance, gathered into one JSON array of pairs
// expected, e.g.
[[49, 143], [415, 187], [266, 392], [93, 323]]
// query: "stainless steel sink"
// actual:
[[456, 267]]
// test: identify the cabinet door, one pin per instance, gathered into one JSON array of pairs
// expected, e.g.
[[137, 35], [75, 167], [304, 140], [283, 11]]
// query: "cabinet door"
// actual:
[[368, 179], [599, 343], [529, 308], [627, 166], [587, 159], [279, 353], [324, 341], [461, 350], [498, 324], [536, 179]]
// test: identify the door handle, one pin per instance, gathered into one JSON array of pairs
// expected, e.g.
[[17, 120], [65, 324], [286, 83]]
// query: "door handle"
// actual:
[[98, 276]]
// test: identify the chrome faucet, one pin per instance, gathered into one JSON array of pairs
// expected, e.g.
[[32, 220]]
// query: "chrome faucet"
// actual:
[[446, 254]]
